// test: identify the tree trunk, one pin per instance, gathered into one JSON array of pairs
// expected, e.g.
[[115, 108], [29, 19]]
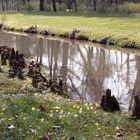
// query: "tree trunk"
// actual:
[[95, 4], [41, 5], [17, 5], [116, 1], [2, 4], [54, 5], [60, 1], [90, 4], [110, 2], [75, 4], [7, 5]]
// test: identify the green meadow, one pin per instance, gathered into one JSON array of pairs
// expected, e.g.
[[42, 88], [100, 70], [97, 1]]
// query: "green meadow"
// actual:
[[28, 114], [123, 31]]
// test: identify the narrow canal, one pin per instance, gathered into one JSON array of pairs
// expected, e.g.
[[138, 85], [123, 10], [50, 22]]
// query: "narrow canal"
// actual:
[[87, 69]]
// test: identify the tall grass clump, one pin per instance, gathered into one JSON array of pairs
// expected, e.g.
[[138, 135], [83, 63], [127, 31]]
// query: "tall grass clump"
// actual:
[[32, 6], [61, 7]]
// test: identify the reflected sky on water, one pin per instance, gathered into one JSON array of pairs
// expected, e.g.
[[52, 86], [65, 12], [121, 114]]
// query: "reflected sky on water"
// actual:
[[87, 70]]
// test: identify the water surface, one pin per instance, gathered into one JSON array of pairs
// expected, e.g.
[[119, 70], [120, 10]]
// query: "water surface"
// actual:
[[87, 70]]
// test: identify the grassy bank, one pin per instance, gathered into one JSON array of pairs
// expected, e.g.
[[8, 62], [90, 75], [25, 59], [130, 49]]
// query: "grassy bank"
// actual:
[[28, 114], [123, 31]]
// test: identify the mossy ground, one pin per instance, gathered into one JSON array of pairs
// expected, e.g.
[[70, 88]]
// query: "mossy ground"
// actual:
[[123, 31], [27, 114]]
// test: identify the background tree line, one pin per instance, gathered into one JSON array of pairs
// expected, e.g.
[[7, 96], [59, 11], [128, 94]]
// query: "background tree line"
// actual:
[[67, 5]]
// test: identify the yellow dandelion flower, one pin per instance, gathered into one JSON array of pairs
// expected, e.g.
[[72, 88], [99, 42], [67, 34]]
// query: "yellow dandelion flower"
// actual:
[[97, 124], [78, 107], [69, 113], [24, 118], [91, 107], [117, 128], [33, 108], [86, 104], [97, 105], [81, 110], [61, 112], [75, 115], [88, 108], [51, 115], [60, 116], [90, 104], [3, 109], [42, 120]]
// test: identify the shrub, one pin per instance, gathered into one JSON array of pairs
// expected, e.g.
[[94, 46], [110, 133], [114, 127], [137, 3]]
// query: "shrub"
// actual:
[[48, 7], [125, 9], [129, 8], [32, 6], [61, 7], [82, 7]]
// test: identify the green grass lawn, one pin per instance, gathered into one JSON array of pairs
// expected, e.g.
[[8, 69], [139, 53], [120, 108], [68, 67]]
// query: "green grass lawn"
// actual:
[[28, 114], [121, 29]]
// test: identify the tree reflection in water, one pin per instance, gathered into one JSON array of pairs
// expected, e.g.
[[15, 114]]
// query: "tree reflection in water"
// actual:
[[87, 70]]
